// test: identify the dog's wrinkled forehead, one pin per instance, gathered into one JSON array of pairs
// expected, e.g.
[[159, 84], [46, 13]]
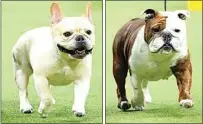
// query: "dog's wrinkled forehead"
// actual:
[[158, 21], [74, 24], [175, 18], [155, 22]]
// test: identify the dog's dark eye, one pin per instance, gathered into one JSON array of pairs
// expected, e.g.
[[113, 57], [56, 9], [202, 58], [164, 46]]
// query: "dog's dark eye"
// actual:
[[88, 32], [67, 34], [177, 30], [155, 30]]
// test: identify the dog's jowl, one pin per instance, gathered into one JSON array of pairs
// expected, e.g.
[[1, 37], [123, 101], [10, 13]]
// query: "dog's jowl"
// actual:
[[56, 55], [151, 49]]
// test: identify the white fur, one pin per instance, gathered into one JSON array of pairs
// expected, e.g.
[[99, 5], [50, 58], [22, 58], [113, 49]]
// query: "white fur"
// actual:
[[145, 89], [186, 103], [37, 53], [73, 23], [146, 66]]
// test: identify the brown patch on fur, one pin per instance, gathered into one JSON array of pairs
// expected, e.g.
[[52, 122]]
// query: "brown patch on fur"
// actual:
[[183, 74], [158, 22]]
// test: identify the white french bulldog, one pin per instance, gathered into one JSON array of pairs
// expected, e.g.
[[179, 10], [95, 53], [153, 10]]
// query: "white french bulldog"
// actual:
[[56, 55]]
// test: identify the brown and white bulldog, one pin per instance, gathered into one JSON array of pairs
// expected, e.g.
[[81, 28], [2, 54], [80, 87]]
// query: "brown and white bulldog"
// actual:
[[151, 49]]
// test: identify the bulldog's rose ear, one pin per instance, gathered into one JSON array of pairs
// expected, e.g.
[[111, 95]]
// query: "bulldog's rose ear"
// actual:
[[150, 13], [56, 14], [183, 14], [88, 12]]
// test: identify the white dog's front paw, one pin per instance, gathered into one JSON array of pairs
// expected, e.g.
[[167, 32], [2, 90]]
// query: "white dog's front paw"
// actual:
[[186, 103], [45, 108], [26, 108], [78, 111]]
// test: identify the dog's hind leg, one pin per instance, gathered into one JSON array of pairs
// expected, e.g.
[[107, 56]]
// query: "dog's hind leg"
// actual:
[[53, 100], [120, 72], [22, 72], [145, 89]]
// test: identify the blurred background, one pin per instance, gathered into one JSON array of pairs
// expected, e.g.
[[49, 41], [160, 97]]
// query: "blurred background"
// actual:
[[19, 17], [164, 107]]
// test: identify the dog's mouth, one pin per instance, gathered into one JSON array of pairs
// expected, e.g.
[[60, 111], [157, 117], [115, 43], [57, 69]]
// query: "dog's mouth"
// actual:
[[77, 53], [167, 47]]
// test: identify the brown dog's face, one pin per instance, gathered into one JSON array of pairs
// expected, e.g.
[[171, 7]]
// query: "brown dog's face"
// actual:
[[165, 32], [155, 23]]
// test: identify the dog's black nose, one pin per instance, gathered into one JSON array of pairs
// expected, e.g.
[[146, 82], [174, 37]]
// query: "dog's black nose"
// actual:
[[167, 37], [79, 38]]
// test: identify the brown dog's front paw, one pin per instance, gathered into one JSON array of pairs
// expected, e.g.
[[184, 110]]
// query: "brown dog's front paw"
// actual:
[[124, 105], [186, 103]]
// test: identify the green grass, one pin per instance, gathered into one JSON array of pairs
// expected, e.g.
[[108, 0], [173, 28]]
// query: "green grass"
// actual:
[[19, 17], [164, 107]]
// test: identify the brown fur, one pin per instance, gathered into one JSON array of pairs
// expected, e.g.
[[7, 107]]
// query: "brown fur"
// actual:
[[183, 74], [122, 46], [159, 22]]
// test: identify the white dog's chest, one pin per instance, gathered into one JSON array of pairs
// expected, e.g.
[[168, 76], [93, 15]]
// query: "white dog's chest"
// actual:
[[61, 76]]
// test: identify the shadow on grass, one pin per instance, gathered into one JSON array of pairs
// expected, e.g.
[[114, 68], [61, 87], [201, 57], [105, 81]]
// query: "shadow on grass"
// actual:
[[172, 110], [60, 113]]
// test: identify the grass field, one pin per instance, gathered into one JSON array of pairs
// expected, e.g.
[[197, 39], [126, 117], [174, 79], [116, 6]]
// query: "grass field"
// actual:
[[164, 107], [19, 17]]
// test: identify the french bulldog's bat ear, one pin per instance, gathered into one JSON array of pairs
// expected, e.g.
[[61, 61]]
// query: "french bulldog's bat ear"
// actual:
[[183, 14], [56, 14], [150, 13], [88, 12]]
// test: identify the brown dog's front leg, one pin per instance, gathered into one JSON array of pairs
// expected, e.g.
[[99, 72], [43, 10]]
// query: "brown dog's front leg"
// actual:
[[183, 74]]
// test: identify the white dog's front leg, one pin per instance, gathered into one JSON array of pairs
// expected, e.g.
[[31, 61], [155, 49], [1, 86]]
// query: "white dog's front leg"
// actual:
[[80, 94], [43, 89]]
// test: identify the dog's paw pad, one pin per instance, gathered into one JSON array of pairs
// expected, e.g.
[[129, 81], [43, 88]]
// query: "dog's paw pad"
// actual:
[[27, 110], [124, 105], [187, 103], [79, 114], [139, 108]]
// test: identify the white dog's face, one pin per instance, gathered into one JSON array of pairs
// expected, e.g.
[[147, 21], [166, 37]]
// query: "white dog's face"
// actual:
[[168, 32], [74, 36]]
